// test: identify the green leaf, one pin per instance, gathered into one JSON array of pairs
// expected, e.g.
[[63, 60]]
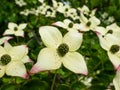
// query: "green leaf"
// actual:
[[63, 87], [78, 86], [35, 85], [9, 87]]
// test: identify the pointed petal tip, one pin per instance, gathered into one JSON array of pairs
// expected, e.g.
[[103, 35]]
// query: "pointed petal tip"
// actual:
[[25, 76], [34, 70], [4, 34], [117, 68], [6, 40], [30, 60], [53, 24], [10, 38], [84, 73], [22, 36], [25, 46], [96, 9], [98, 33]]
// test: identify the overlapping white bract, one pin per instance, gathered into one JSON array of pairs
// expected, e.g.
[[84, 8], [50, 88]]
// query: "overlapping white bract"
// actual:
[[49, 58], [109, 38], [17, 56]]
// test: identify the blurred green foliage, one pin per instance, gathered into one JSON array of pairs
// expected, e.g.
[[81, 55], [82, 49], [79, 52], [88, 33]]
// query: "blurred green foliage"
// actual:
[[96, 57]]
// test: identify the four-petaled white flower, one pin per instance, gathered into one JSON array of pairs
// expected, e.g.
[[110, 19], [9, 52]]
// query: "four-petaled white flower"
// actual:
[[43, 9], [12, 60], [109, 38], [67, 24], [88, 24], [63, 8], [20, 3], [116, 80], [85, 10], [60, 50], [15, 29]]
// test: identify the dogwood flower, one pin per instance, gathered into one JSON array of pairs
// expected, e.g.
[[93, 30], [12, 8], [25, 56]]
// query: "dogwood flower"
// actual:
[[111, 19], [88, 23], [15, 29], [50, 12], [116, 80], [61, 7], [111, 44], [56, 4], [12, 60], [20, 3], [72, 12], [43, 9], [67, 24], [60, 50], [4, 39], [113, 29], [104, 15], [26, 12], [85, 10]]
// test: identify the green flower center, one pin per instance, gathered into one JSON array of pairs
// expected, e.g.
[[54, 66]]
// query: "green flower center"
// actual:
[[15, 28], [87, 16], [88, 24], [66, 9], [110, 31], [62, 49], [114, 49], [5, 59], [70, 25]]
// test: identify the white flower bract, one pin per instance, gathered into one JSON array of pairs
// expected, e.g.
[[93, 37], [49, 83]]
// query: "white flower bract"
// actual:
[[49, 58]]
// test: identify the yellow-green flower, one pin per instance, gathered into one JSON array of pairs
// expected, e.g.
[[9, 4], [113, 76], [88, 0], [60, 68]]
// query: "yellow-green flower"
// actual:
[[60, 50], [12, 60]]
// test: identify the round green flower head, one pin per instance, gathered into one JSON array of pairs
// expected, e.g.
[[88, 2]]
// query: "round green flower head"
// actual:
[[5, 59], [114, 49], [70, 25], [63, 49], [88, 24]]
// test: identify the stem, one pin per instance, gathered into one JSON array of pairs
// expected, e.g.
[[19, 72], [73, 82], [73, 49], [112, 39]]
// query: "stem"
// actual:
[[13, 80], [53, 82], [36, 38]]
